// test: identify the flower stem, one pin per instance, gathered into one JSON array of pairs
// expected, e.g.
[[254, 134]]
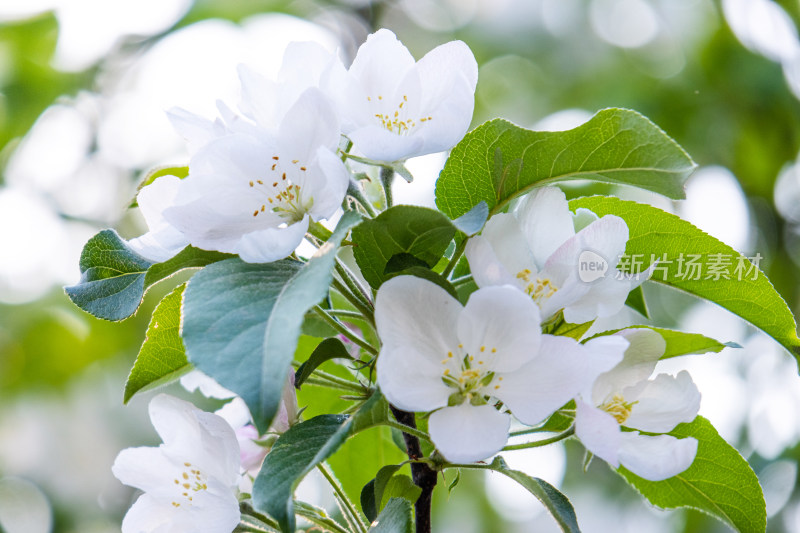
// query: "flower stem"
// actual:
[[338, 326], [354, 190], [345, 313], [387, 177], [353, 284], [347, 506], [454, 260], [321, 379], [408, 430], [251, 520], [422, 474], [543, 442], [365, 310]]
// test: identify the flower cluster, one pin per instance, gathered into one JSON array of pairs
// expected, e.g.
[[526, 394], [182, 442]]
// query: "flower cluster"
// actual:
[[474, 366], [512, 351], [259, 175]]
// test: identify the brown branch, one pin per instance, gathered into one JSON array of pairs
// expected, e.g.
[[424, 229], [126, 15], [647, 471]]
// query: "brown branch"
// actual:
[[424, 477]]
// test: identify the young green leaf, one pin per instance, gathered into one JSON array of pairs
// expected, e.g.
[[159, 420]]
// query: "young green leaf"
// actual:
[[421, 234], [299, 450], [558, 504], [114, 278], [719, 482], [636, 302], [681, 343], [498, 161], [242, 320], [729, 279], [387, 485], [395, 518], [293, 455], [162, 357], [325, 351]]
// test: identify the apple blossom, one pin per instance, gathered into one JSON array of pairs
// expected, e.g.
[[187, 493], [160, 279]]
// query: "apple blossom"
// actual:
[[624, 396], [393, 108], [539, 248], [458, 361], [253, 194], [162, 241], [189, 481]]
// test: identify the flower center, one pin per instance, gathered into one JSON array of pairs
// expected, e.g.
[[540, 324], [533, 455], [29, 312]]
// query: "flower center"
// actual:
[[396, 119], [468, 374], [190, 481], [539, 289], [618, 408], [282, 195]]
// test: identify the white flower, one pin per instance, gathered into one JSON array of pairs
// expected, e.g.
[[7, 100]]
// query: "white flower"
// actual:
[[393, 108], [540, 248], [624, 396], [257, 176], [189, 481], [457, 361], [254, 193]]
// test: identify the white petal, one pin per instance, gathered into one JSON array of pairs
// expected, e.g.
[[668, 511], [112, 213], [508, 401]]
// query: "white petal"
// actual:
[[163, 240], [146, 468], [410, 381], [174, 420], [148, 515], [208, 387], [419, 315], [499, 327], [381, 63], [598, 431], [656, 458], [215, 510], [218, 449], [308, 125], [605, 297], [468, 433], [447, 75], [562, 369], [607, 237], [380, 144], [259, 97], [663, 403], [198, 131], [487, 270], [327, 180], [271, 244], [509, 244], [646, 347], [546, 222]]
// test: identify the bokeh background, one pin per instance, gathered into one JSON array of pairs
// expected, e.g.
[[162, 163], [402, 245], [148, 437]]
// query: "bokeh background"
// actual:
[[83, 89]]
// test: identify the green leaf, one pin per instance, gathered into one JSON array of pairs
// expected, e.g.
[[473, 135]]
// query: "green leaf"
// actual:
[[574, 331], [395, 518], [372, 493], [114, 278], [498, 160], [293, 455], [636, 302], [189, 257], [681, 343], [719, 482], [418, 232], [325, 351], [387, 485], [298, 451], [654, 233], [555, 502], [162, 357], [242, 321]]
